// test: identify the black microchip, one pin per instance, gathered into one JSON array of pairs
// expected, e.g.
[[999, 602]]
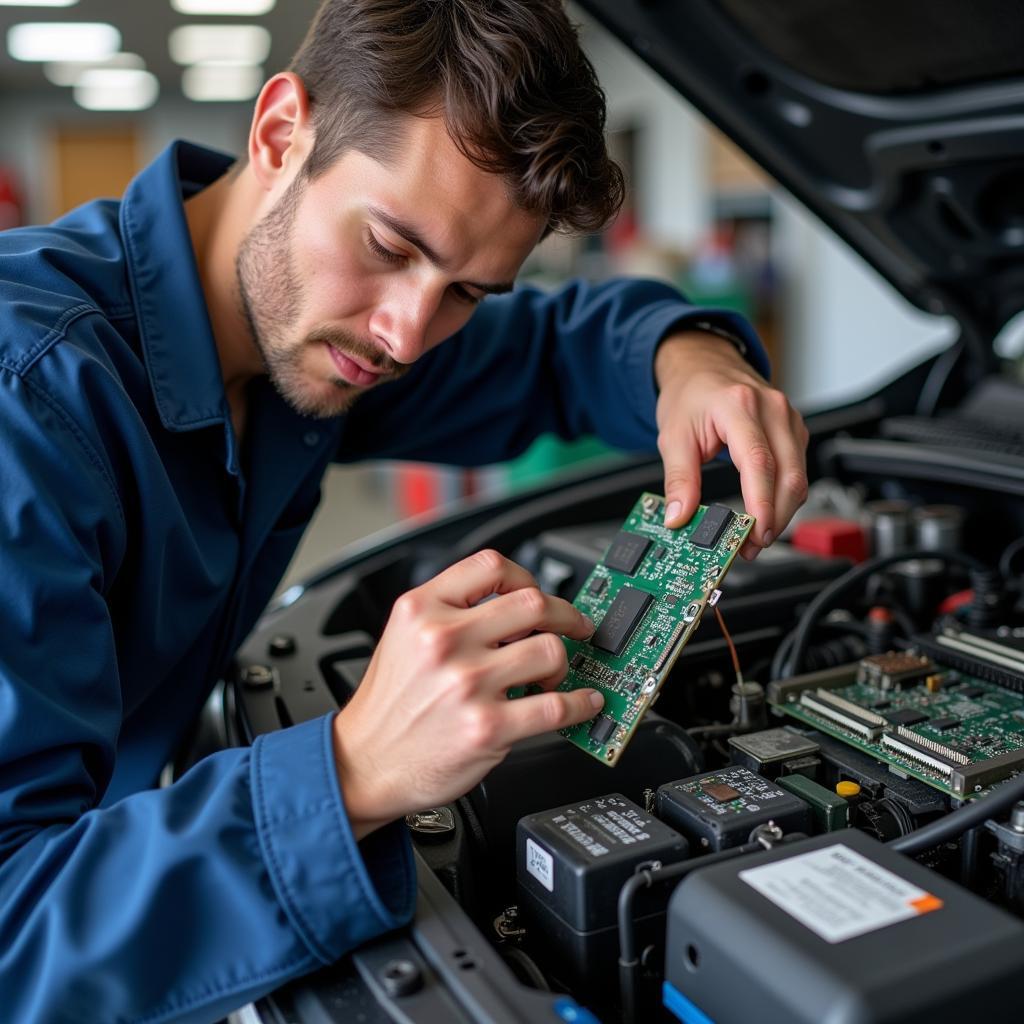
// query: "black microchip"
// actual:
[[971, 691], [659, 553], [880, 705], [905, 716], [621, 620], [942, 724], [597, 585], [627, 552], [712, 526], [602, 729]]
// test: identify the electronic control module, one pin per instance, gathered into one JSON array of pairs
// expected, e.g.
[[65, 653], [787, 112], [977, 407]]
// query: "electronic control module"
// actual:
[[926, 720], [646, 596]]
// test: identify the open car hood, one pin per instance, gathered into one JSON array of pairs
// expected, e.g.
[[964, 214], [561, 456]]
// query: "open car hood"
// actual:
[[899, 124]]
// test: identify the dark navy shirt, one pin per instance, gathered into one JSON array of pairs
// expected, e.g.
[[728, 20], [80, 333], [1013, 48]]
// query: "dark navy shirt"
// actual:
[[138, 544]]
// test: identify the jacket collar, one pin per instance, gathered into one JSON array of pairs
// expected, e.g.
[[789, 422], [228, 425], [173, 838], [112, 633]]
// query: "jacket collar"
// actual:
[[177, 338]]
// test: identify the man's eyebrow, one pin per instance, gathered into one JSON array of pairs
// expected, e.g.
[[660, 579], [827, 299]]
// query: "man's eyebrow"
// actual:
[[413, 237]]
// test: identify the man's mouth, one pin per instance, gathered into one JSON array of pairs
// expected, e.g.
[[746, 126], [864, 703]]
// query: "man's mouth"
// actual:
[[352, 372]]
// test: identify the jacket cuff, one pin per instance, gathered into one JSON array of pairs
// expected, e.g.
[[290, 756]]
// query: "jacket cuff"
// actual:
[[665, 319], [336, 892]]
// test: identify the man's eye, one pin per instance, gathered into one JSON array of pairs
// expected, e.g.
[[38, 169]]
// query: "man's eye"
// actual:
[[465, 296], [380, 251]]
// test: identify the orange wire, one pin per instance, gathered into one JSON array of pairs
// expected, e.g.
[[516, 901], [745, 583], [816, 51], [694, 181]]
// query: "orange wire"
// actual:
[[732, 646]]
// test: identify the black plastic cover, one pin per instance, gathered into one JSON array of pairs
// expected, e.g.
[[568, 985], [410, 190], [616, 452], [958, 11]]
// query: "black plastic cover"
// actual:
[[575, 859], [960, 960], [705, 810]]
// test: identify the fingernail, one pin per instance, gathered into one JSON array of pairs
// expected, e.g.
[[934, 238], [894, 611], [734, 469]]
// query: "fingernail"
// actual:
[[588, 622], [768, 538], [596, 700], [673, 510]]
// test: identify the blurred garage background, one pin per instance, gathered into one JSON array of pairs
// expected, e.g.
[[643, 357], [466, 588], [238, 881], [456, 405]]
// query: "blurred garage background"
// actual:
[[91, 90]]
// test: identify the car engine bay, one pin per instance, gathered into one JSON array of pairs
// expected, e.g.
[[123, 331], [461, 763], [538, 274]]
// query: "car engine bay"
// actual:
[[873, 742]]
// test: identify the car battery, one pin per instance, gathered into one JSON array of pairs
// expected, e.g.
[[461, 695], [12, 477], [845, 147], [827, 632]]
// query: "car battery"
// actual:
[[571, 863], [719, 809], [838, 928]]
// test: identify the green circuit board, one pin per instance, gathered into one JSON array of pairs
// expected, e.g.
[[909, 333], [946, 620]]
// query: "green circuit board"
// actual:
[[646, 596], [949, 729]]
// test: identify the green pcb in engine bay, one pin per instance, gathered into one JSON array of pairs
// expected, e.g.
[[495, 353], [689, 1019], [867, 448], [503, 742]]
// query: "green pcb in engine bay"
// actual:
[[959, 733]]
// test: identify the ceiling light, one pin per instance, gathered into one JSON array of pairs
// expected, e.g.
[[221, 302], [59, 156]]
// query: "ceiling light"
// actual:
[[239, 44], [221, 82], [38, 3], [62, 40], [116, 89], [246, 8], [67, 72]]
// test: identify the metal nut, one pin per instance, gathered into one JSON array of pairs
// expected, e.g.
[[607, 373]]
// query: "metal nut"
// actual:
[[257, 677]]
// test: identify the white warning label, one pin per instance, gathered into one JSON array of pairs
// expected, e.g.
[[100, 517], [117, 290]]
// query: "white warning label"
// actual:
[[838, 893], [540, 865]]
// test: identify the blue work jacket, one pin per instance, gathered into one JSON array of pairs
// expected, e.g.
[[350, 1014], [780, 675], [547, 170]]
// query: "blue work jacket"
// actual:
[[138, 545]]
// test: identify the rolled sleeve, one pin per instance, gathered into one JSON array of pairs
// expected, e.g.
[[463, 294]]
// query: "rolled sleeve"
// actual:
[[314, 861]]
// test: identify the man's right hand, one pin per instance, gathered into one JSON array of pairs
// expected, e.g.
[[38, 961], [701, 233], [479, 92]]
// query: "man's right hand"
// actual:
[[432, 716]]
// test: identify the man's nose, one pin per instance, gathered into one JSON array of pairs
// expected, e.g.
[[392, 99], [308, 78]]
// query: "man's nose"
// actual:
[[401, 322]]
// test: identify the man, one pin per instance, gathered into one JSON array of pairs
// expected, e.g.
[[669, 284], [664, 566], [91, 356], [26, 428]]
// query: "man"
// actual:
[[174, 379]]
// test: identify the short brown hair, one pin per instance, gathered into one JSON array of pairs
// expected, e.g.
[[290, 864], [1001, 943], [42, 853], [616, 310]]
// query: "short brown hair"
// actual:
[[518, 95]]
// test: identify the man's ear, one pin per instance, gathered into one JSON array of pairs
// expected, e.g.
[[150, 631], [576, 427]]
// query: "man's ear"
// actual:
[[281, 135]]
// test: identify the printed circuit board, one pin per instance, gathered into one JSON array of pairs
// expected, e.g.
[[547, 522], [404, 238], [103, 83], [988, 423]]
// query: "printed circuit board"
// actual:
[[646, 596], [953, 730]]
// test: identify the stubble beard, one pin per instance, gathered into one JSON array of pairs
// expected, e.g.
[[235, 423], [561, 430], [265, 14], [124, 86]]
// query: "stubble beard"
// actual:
[[270, 296]]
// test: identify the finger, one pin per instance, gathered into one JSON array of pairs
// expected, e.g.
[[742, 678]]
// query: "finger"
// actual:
[[682, 459], [540, 659], [469, 581], [786, 439], [754, 459], [523, 611], [545, 712]]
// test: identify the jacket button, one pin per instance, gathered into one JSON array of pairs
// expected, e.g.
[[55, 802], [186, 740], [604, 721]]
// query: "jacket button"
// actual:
[[311, 439]]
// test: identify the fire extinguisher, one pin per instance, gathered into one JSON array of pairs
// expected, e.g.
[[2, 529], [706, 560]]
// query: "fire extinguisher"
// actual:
[[11, 207]]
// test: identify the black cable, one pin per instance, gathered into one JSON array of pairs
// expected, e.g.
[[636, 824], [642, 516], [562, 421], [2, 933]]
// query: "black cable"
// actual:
[[528, 966], [959, 821], [903, 620], [718, 729], [839, 587], [1013, 549], [629, 962], [969, 858], [778, 664], [778, 669]]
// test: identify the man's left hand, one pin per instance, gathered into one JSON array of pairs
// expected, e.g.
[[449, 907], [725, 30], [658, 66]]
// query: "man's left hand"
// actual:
[[710, 398]]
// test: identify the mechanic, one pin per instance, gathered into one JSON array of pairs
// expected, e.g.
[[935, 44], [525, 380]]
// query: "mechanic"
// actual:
[[177, 371]]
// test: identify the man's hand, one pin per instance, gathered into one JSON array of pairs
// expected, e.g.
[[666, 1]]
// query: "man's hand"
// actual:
[[710, 397], [432, 716]]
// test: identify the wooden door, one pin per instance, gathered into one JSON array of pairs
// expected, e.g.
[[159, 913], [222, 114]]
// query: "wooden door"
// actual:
[[92, 162]]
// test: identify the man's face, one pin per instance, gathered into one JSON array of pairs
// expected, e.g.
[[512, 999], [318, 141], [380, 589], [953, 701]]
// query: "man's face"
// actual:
[[350, 278]]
